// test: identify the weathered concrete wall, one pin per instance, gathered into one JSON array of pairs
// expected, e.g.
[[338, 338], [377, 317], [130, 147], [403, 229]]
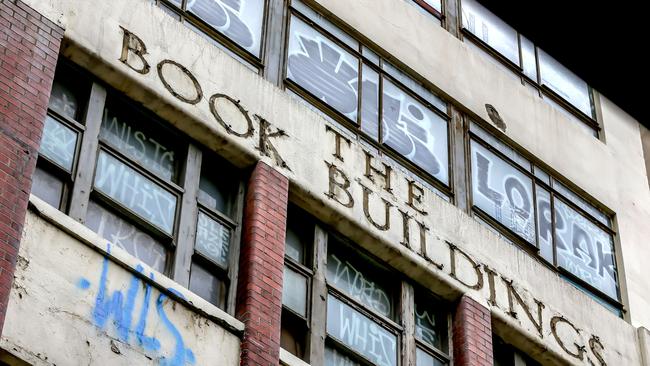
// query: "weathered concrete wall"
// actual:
[[561, 316], [76, 300]]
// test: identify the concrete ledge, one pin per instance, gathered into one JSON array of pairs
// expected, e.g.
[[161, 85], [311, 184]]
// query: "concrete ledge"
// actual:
[[129, 262], [288, 359]]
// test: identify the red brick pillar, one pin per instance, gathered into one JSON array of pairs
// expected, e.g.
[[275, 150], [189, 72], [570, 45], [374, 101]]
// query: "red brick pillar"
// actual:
[[472, 334], [29, 46], [261, 263]]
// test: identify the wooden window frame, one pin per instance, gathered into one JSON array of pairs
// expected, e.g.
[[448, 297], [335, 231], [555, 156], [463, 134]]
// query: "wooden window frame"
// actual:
[[184, 186]]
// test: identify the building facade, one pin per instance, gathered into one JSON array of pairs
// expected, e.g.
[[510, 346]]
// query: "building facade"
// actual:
[[311, 182]]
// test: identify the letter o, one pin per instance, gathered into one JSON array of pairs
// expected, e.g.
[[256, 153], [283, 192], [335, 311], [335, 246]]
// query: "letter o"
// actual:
[[213, 109], [197, 86]]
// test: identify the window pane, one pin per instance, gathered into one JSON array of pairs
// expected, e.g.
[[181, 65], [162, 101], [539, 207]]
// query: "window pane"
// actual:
[[239, 20], [64, 100], [504, 149], [356, 281], [360, 333], [216, 187], [294, 296], [584, 249], [47, 187], [336, 358], [423, 358], [430, 323], [503, 192], [300, 236], [415, 132], [415, 86], [544, 224], [323, 68], [126, 236], [491, 30], [206, 285], [325, 24], [564, 82], [576, 200], [136, 192], [370, 102], [58, 143], [123, 128], [436, 4], [212, 239]]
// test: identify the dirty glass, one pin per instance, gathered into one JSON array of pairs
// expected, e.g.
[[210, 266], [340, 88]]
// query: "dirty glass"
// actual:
[[206, 285], [430, 323], [239, 20], [47, 187], [370, 102], [212, 239], [294, 296], [323, 68], [64, 101], [584, 249], [544, 224], [414, 131], [565, 83], [503, 192], [490, 29], [423, 358], [127, 236], [136, 192], [361, 334], [58, 143]]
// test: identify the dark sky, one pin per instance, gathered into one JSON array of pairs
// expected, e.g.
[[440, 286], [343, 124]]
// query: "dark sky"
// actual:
[[605, 43]]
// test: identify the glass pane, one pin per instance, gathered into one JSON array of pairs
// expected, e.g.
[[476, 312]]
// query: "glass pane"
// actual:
[[206, 285], [58, 143], [528, 61], [576, 200], [423, 358], [239, 20], [491, 30], [359, 283], [415, 86], [360, 333], [495, 143], [503, 192], [123, 128], [544, 224], [335, 358], [544, 176], [47, 187], [584, 249], [370, 102], [430, 323], [564, 83], [415, 132], [216, 186], [436, 4], [212, 239], [300, 236], [133, 190], [325, 24], [323, 68], [294, 296], [126, 236], [64, 100]]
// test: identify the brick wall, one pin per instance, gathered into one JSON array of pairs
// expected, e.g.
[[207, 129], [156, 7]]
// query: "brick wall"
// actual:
[[29, 46], [259, 287], [472, 334]]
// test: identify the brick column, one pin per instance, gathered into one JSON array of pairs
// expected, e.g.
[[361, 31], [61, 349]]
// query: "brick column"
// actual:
[[472, 334], [261, 263], [29, 46]]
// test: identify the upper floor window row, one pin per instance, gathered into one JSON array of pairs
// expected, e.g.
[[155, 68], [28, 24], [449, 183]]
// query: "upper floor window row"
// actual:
[[530, 206], [144, 189], [554, 81], [367, 95]]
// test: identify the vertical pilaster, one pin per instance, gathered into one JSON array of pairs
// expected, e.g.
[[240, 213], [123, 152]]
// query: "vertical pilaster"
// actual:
[[472, 334], [259, 286], [29, 46]]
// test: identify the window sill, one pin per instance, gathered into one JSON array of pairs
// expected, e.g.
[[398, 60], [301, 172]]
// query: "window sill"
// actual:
[[288, 359], [130, 263]]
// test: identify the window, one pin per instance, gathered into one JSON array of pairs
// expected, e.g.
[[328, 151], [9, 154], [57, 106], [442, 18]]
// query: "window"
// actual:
[[144, 187], [368, 95], [341, 295], [559, 86], [507, 355], [238, 24], [534, 208], [433, 7]]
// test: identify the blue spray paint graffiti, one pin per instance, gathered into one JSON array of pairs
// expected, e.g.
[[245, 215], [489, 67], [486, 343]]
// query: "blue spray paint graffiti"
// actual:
[[120, 307]]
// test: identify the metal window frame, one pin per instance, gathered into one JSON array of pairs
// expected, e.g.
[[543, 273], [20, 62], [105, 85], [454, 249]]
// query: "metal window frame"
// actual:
[[355, 126], [536, 181]]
